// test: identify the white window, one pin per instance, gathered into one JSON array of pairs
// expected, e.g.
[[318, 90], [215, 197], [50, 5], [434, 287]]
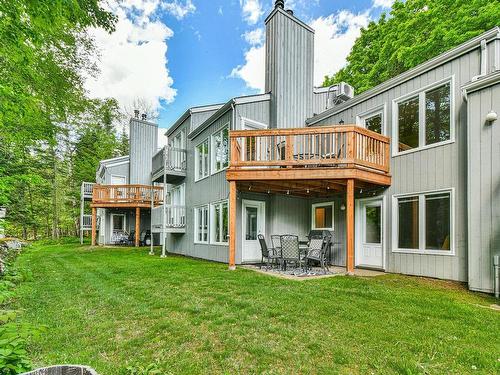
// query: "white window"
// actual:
[[201, 224], [424, 119], [423, 222], [201, 160], [219, 224], [220, 149], [177, 195], [322, 216], [373, 119]]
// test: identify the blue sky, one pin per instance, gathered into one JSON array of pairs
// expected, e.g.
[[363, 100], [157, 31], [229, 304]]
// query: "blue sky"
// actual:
[[176, 54]]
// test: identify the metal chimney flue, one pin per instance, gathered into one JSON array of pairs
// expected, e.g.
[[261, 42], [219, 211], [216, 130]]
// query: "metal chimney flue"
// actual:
[[290, 12], [279, 4], [143, 117], [136, 113]]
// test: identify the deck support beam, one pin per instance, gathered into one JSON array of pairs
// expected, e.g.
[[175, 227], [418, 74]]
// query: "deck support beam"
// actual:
[[232, 225], [94, 225], [137, 225], [350, 226]]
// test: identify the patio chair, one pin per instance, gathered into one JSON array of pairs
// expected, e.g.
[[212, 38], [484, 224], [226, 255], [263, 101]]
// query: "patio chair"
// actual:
[[276, 242], [290, 251], [268, 254], [318, 250]]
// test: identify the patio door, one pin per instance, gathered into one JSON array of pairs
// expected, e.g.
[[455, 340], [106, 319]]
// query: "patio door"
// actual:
[[370, 233], [253, 224], [117, 226]]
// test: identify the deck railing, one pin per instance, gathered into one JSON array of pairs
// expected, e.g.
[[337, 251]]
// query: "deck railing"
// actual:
[[127, 194], [176, 159], [335, 146], [86, 189], [176, 216]]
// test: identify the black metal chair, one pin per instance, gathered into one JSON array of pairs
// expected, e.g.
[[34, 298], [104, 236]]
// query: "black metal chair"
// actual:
[[276, 242], [318, 251], [268, 254], [290, 251]]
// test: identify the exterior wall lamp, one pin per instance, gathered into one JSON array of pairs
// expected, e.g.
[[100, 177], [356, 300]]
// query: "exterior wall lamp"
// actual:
[[491, 117]]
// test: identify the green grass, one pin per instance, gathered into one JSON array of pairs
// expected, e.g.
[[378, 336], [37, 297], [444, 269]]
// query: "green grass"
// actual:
[[114, 308]]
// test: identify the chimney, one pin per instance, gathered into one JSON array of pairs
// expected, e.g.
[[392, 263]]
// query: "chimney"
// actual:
[[143, 144], [289, 68], [144, 117], [136, 113]]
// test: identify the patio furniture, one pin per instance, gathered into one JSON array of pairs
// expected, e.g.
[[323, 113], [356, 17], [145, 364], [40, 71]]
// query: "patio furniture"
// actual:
[[290, 251], [268, 254], [276, 242], [318, 250]]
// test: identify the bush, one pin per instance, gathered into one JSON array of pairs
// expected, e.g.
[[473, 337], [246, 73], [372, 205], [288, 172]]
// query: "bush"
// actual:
[[13, 335]]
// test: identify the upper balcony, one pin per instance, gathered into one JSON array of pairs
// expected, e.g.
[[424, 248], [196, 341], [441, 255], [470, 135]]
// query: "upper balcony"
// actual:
[[127, 196], [86, 190], [170, 163], [318, 156]]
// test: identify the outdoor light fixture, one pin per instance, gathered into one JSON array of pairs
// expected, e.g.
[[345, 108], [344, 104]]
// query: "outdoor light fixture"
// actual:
[[341, 122], [342, 207], [307, 191], [491, 116], [288, 192]]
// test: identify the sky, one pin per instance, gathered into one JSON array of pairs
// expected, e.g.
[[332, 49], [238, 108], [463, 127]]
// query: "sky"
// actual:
[[175, 54]]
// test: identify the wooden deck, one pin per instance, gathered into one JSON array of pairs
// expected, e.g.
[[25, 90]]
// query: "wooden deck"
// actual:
[[307, 162], [124, 196]]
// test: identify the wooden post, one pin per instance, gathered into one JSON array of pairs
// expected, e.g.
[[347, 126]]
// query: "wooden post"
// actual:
[[94, 224], [350, 226], [232, 225], [137, 225]]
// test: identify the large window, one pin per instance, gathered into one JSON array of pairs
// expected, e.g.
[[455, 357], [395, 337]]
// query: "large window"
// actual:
[[201, 160], [373, 119], [322, 216], [219, 225], [201, 224], [425, 118], [424, 222], [220, 150]]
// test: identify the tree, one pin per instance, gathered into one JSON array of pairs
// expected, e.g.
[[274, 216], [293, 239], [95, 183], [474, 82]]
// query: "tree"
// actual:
[[415, 31]]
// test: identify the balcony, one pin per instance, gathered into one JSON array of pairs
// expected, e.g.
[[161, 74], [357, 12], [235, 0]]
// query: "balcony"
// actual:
[[175, 216], [86, 190], [312, 155], [126, 196], [171, 160]]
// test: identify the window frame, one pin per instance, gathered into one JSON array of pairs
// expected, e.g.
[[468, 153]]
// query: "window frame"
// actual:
[[313, 218], [213, 225], [195, 216], [196, 156], [380, 109], [421, 94], [421, 222], [213, 161]]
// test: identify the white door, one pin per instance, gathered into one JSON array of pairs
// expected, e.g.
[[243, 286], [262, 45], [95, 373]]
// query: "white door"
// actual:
[[370, 249], [253, 220]]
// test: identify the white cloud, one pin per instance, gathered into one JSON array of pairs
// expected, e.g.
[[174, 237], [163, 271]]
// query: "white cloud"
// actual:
[[133, 61], [334, 38], [255, 37], [382, 3], [252, 10], [252, 71], [179, 9]]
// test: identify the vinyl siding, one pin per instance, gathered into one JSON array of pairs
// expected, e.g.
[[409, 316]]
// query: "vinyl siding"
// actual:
[[143, 145], [484, 187], [431, 169], [118, 170], [257, 111], [289, 71]]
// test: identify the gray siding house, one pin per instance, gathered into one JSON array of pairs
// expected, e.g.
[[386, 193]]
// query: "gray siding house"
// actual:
[[406, 175]]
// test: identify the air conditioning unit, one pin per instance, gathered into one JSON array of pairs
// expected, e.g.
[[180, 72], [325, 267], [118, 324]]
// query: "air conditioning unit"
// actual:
[[345, 91]]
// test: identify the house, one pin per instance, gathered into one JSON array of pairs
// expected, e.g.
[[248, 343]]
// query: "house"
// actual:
[[406, 175]]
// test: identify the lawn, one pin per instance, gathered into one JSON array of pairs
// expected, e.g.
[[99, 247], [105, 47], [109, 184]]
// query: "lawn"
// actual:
[[115, 308]]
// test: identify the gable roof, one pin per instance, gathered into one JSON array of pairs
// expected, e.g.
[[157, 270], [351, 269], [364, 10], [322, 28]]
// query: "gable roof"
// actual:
[[226, 107], [188, 113], [409, 74]]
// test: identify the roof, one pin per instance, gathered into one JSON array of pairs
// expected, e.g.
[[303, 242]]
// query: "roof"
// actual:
[[292, 17], [226, 107], [112, 162], [482, 82], [188, 113], [409, 74]]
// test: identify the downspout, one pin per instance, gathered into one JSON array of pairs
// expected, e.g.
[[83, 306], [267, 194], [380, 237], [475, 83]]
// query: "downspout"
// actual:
[[164, 209]]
